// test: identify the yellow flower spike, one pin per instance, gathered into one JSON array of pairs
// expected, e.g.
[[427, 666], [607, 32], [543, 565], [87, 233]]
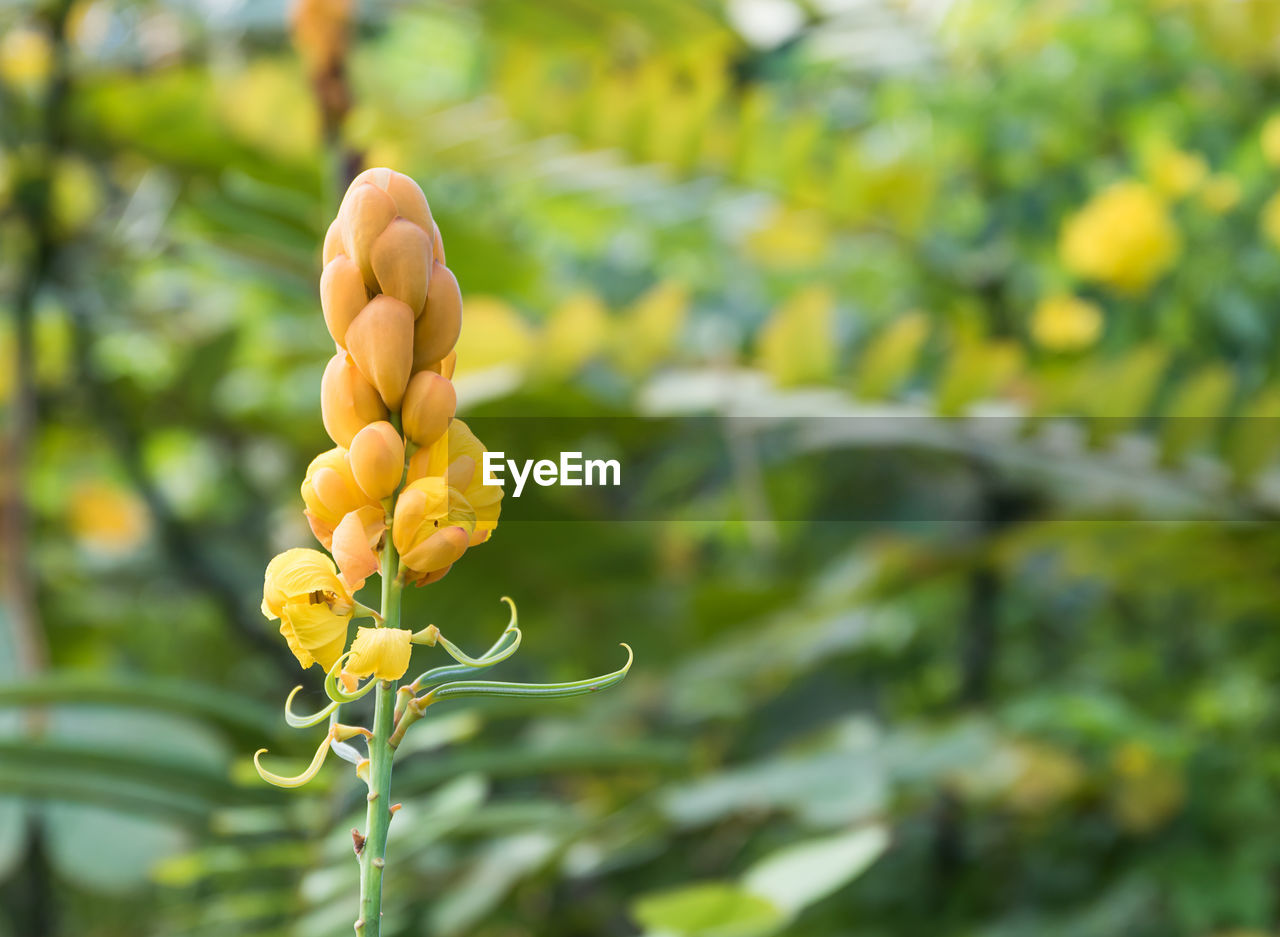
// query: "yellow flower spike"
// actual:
[[440, 322], [382, 653], [312, 769], [429, 405]]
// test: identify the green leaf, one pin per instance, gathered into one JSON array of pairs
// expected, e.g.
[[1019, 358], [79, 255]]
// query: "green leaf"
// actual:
[[795, 877], [708, 909]]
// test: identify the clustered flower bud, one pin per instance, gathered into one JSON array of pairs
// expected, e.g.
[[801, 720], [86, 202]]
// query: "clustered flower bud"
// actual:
[[401, 463]]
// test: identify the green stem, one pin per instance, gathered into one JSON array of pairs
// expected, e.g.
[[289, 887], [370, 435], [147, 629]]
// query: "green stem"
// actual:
[[374, 854]]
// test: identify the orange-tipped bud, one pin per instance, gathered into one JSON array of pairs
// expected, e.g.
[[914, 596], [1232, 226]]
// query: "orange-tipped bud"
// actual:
[[380, 341], [366, 211], [332, 241], [401, 259], [437, 329], [348, 402], [429, 403], [377, 459], [342, 295]]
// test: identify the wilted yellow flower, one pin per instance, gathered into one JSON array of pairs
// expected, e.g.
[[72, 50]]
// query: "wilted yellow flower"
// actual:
[[107, 518], [1066, 323], [302, 589], [1221, 193], [1271, 140], [1271, 220], [380, 652], [1123, 237], [1177, 173], [458, 457]]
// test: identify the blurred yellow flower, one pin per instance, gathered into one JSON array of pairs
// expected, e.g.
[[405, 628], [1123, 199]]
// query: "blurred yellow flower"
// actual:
[[1271, 140], [1271, 220], [26, 57], [380, 652], [268, 105], [797, 344], [1146, 790], [1177, 173], [789, 238], [649, 331], [1046, 776], [1221, 193], [301, 588], [107, 518], [493, 334], [1066, 323], [76, 195], [1123, 237], [575, 333]]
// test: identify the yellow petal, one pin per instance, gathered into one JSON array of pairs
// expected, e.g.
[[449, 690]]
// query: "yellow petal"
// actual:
[[354, 540], [380, 652], [295, 574], [315, 632]]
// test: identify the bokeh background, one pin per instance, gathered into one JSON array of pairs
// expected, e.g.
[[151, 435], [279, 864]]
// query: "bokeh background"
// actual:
[[994, 654]]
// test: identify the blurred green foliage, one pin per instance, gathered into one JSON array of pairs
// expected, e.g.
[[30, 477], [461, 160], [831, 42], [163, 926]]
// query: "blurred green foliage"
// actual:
[[990, 712]]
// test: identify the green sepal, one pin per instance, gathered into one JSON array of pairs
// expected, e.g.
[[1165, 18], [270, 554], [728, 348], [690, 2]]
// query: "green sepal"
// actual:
[[466, 688], [304, 722]]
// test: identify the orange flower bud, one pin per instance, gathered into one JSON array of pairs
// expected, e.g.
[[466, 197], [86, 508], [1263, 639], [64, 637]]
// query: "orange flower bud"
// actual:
[[429, 403], [330, 491], [366, 211], [332, 241], [342, 295], [437, 329], [411, 203], [348, 402], [437, 243], [377, 459], [401, 259], [380, 341], [355, 543], [446, 365]]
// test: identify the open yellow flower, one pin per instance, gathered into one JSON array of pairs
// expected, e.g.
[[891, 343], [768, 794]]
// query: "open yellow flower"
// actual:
[[458, 458], [302, 589], [432, 527], [380, 652]]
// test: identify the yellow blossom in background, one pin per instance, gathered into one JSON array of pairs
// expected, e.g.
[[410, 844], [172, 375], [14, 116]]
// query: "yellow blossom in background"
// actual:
[[493, 334], [380, 652], [649, 330], [1066, 323], [268, 105], [1270, 220], [1123, 237], [574, 335], [301, 588], [797, 344], [789, 238], [1221, 193], [26, 57], [1045, 777], [1177, 173], [1146, 790], [107, 518], [1270, 139]]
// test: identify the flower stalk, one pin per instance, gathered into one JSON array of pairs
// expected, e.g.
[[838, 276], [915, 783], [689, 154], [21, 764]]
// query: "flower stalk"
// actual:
[[399, 495]]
